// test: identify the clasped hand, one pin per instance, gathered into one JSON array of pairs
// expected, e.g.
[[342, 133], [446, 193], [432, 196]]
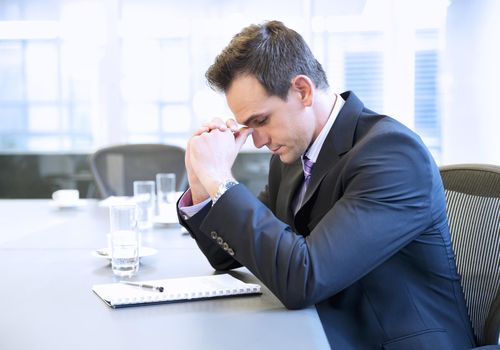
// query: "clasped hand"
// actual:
[[210, 155]]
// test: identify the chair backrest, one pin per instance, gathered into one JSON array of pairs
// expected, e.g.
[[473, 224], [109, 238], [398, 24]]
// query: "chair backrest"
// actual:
[[473, 207], [115, 168]]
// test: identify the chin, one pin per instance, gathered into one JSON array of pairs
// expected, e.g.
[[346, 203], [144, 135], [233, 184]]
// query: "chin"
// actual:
[[288, 158]]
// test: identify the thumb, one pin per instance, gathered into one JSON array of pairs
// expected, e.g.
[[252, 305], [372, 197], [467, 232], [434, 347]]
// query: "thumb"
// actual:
[[241, 136]]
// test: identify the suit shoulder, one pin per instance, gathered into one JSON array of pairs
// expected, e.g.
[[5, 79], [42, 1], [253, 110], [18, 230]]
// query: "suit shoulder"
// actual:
[[376, 126]]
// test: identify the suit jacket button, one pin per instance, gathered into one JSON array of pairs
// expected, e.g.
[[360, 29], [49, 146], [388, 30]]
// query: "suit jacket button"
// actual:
[[220, 240], [213, 234], [230, 251], [225, 246]]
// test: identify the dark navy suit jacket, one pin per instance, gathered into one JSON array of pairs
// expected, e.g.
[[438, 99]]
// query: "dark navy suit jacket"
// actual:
[[370, 247]]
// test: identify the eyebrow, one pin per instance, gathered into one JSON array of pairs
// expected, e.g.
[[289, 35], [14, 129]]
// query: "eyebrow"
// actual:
[[252, 118]]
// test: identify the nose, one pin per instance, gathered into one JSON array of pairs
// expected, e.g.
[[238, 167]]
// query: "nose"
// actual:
[[260, 139]]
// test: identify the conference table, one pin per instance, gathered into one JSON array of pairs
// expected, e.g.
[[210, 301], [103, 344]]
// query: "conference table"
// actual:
[[48, 267]]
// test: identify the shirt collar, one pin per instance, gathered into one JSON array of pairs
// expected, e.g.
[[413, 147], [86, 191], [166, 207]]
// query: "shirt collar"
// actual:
[[313, 151]]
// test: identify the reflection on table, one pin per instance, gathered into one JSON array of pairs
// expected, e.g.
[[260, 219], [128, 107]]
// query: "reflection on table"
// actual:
[[49, 268]]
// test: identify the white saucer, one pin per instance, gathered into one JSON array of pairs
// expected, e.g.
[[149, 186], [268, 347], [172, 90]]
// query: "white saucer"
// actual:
[[67, 204], [104, 252], [166, 219]]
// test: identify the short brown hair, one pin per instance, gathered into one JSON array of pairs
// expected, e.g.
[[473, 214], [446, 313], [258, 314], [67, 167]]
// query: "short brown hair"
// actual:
[[271, 52]]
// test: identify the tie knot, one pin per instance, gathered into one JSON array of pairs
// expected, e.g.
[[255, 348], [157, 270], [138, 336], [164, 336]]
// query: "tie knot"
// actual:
[[308, 164]]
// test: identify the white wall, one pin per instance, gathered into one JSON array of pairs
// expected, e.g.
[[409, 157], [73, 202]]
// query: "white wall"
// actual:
[[471, 123]]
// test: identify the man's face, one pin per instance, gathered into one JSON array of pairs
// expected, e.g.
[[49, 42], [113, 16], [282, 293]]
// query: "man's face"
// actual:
[[285, 127]]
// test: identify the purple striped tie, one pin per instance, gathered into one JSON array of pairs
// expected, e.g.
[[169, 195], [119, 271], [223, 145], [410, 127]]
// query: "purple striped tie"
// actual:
[[308, 164], [307, 167]]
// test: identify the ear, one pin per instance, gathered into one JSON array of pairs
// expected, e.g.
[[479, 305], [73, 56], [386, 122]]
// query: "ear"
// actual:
[[304, 87]]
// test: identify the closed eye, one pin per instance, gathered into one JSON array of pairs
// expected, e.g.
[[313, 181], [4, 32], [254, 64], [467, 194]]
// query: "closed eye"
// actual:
[[260, 121], [256, 120]]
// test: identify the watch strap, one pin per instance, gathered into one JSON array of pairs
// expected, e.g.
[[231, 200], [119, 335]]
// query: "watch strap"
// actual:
[[223, 187]]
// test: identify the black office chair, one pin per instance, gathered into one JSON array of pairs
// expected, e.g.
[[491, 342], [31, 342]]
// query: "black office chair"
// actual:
[[473, 206], [115, 168]]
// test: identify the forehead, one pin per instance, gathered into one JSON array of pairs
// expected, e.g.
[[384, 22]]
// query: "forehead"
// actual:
[[247, 97]]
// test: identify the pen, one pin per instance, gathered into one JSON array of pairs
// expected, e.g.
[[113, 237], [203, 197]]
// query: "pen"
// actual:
[[142, 285]]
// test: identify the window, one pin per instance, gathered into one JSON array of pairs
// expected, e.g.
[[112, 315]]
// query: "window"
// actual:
[[389, 56], [157, 89], [75, 76], [427, 92], [364, 75], [40, 103]]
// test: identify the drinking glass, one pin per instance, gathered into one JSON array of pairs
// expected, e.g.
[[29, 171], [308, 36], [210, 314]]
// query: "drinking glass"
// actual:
[[124, 239], [165, 193], [144, 197]]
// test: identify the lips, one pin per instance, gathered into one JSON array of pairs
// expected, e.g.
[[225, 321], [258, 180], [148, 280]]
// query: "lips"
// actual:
[[275, 150]]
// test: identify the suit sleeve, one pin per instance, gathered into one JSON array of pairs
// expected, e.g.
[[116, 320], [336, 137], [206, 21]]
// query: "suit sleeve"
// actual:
[[215, 254], [218, 258], [385, 205]]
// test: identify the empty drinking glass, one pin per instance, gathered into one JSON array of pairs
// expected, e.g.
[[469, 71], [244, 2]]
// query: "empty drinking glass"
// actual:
[[165, 193], [144, 197]]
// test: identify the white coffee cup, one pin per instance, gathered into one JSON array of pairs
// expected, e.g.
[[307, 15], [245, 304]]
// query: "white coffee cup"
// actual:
[[66, 196]]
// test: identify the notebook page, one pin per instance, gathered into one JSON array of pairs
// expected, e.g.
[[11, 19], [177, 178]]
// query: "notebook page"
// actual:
[[175, 289]]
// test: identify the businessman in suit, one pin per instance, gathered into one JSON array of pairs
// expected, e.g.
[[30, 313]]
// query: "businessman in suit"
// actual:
[[353, 217]]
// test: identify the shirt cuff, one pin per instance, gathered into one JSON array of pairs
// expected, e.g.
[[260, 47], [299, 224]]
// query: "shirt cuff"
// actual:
[[186, 207]]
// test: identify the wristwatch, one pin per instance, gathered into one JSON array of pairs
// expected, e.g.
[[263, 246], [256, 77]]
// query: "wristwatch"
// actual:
[[223, 187]]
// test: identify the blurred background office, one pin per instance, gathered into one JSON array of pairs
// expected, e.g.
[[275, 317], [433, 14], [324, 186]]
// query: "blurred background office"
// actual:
[[76, 75]]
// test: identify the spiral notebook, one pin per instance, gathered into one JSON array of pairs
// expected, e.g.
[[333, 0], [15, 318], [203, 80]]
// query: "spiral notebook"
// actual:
[[118, 295]]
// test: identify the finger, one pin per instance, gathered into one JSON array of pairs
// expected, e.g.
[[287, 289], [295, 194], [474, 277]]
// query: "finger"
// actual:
[[187, 158], [242, 135], [201, 130], [189, 152], [216, 123], [232, 125], [243, 129]]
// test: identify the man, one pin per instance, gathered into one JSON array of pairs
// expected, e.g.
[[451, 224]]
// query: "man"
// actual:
[[353, 218]]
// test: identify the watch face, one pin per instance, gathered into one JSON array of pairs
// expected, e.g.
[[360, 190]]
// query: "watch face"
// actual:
[[229, 184]]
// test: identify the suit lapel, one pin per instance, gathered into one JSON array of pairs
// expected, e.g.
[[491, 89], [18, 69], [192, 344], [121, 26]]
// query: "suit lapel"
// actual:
[[339, 140], [292, 177]]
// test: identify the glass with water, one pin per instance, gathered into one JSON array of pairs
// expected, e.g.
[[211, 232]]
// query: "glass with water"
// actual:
[[144, 197], [124, 240]]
